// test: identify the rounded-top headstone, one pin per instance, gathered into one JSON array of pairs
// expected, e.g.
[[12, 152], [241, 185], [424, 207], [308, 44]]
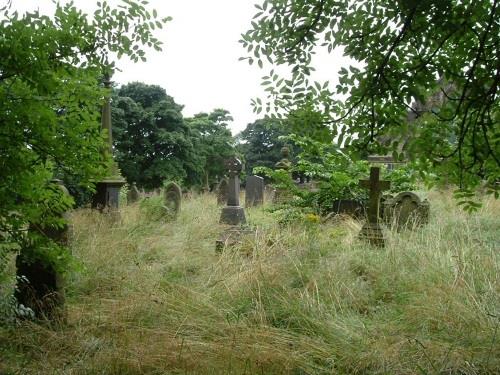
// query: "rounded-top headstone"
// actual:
[[406, 210], [173, 197]]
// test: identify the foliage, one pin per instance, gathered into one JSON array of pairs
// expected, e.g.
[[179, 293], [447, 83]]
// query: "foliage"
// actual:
[[152, 141], [334, 173], [403, 178], [213, 143], [260, 143], [424, 60], [153, 209], [50, 103]]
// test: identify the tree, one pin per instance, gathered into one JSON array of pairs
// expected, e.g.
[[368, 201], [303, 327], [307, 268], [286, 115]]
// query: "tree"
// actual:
[[213, 142], [260, 143], [50, 99], [152, 141], [405, 51]]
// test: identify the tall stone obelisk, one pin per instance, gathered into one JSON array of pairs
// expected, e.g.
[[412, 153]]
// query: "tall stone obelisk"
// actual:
[[107, 192]]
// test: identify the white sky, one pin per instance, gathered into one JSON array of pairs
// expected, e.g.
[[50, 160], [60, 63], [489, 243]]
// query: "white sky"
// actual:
[[199, 64]]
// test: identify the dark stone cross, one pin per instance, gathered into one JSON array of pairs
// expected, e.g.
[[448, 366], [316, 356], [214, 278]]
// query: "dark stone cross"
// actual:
[[371, 230], [233, 213]]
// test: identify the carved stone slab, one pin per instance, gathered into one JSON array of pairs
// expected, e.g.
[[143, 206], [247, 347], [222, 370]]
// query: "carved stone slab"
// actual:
[[406, 210], [254, 191]]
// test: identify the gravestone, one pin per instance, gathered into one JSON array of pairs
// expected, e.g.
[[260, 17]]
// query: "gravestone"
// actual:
[[39, 286], [133, 194], [172, 196], [233, 213], [222, 192], [406, 210], [371, 230], [254, 191]]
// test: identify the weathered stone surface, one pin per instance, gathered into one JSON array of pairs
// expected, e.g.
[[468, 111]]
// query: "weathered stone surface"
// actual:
[[254, 191], [371, 230], [406, 210], [107, 195], [222, 192], [233, 215], [173, 198]]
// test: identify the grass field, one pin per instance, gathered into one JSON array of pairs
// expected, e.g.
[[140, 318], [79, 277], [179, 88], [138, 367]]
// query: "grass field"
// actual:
[[153, 297]]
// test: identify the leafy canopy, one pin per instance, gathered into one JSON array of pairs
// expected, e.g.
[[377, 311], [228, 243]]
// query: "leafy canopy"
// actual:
[[152, 141], [50, 102], [433, 61], [213, 143]]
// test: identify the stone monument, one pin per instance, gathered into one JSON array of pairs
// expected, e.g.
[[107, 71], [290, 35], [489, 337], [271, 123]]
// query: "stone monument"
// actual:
[[173, 198], [233, 213], [406, 210], [107, 192], [254, 191], [371, 230]]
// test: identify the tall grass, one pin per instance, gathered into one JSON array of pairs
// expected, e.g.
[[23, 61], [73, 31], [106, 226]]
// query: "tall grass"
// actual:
[[153, 297]]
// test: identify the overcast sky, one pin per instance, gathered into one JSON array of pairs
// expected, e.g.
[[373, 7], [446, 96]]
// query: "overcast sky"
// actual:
[[199, 64]]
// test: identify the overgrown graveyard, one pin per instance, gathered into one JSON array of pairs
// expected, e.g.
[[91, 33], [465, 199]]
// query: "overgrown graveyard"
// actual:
[[345, 221], [151, 296]]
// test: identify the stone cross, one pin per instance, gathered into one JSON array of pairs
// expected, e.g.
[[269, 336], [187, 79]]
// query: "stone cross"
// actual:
[[234, 167], [233, 213], [371, 231]]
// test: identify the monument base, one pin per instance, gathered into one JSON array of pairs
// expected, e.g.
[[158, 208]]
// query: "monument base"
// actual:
[[233, 215], [372, 233], [107, 194]]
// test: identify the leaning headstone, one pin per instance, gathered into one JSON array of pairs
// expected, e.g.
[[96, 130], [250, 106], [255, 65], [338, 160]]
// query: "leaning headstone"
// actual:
[[133, 194], [254, 191], [222, 192], [233, 213], [406, 210], [173, 196], [39, 285], [371, 230]]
